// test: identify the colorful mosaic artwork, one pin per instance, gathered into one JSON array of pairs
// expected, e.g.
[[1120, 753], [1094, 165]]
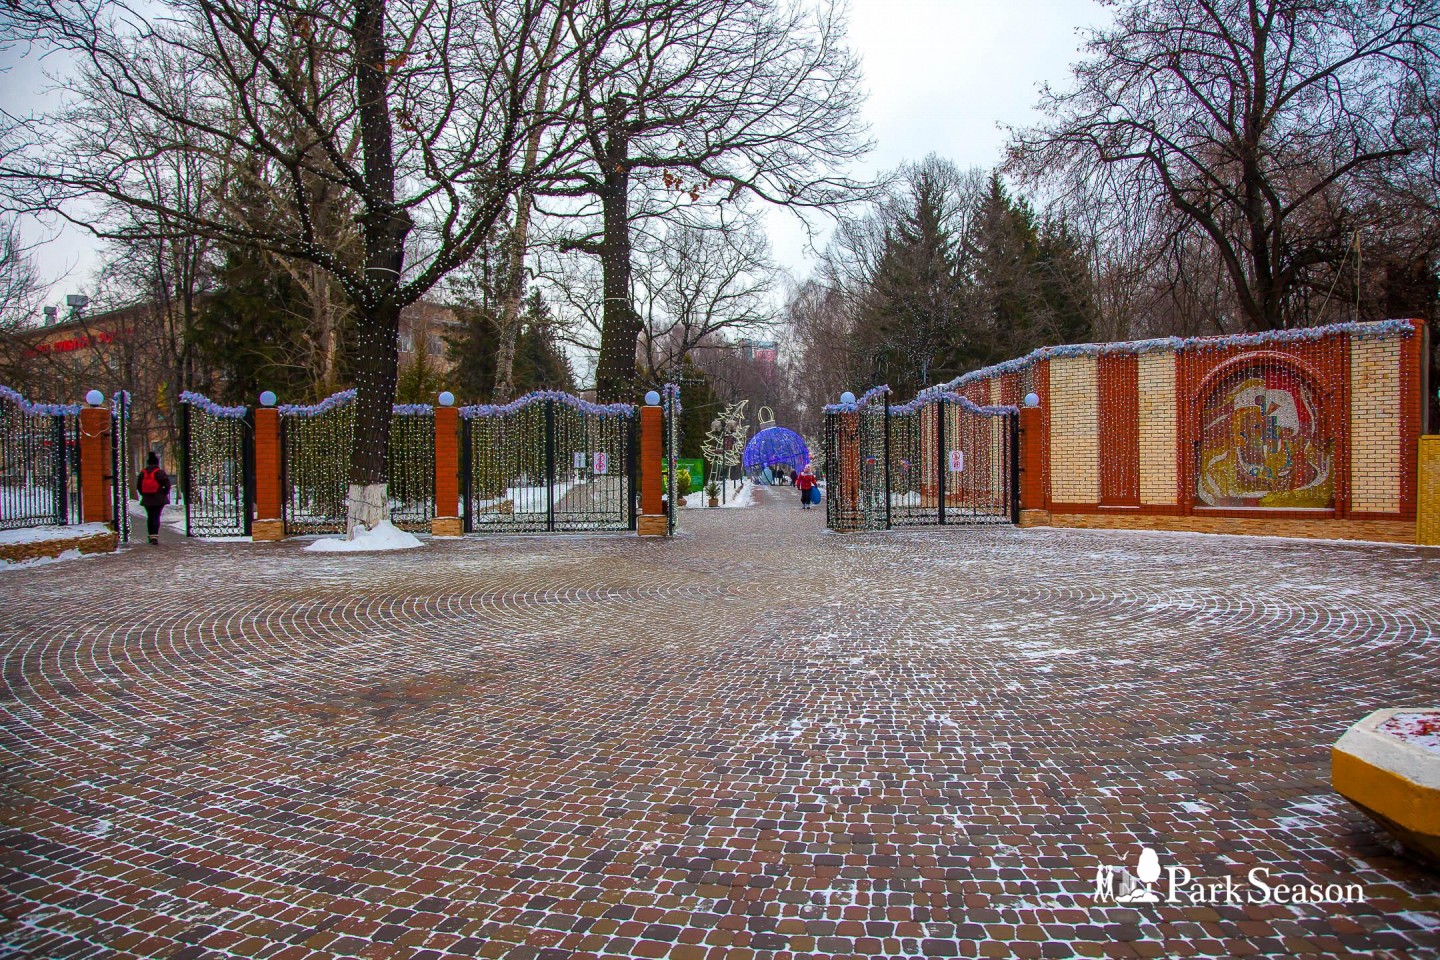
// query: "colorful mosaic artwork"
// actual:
[[1261, 443]]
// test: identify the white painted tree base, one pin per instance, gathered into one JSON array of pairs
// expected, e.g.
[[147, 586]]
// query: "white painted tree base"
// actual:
[[366, 507]]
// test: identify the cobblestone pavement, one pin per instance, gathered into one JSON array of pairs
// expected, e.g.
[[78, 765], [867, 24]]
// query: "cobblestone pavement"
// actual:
[[755, 740]]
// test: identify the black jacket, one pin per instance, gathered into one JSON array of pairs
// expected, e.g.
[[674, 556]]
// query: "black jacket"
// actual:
[[155, 499]]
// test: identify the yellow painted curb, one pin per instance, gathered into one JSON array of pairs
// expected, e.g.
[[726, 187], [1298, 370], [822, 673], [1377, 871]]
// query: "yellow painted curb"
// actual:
[[1394, 781]]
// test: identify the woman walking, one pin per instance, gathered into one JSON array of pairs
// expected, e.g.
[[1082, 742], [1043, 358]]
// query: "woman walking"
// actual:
[[154, 486]]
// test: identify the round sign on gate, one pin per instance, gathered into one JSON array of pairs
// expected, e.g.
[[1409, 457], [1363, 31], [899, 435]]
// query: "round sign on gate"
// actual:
[[600, 461], [957, 461]]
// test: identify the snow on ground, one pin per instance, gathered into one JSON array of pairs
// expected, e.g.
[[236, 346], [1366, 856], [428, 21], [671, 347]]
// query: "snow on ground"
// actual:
[[45, 561], [744, 497], [384, 536], [1420, 728], [41, 534]]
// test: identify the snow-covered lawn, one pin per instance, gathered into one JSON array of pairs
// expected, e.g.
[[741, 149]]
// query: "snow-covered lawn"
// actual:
[[41, 534], [743, 497]]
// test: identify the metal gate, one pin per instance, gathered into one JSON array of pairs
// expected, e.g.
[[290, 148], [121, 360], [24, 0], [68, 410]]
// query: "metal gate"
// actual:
[[671, 395], [39, 462], [315, 465], [218, 475], [940, 459], [120, 465], [548, 463]]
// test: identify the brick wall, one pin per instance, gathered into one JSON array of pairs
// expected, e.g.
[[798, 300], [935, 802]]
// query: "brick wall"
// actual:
[[1427, 528], [1375, 425], [1158, 475], [1074, 431]]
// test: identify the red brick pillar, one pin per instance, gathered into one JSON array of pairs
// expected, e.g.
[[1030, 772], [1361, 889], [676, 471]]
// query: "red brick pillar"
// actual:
[[447, 522], [269, 522], [652, 521], [1032, 476], [95, 465]]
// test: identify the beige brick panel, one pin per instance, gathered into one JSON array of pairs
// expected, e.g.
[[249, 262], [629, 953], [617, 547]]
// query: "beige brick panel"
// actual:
[[1428, 523], [1375, 425], [1158, 469], [1074, 430]]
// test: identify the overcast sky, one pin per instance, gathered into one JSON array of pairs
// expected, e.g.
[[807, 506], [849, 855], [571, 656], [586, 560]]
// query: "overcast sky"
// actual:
[[943, 75]]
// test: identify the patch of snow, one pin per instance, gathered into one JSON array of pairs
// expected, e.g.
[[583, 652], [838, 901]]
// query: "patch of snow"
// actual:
[[71, 554], [1420, 728], [384, 536], [743, 497], [52, 532]]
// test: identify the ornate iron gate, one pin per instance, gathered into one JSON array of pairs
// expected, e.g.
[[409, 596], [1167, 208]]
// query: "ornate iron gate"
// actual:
[[548, 463], [39, 462], [315, 465], [940, 459], [218, 475]]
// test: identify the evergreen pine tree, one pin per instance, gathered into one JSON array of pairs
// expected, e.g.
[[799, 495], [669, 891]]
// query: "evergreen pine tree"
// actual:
[[915, 295]]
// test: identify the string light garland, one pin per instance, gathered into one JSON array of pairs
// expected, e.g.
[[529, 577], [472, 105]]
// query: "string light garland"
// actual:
[[202, 402], [213, 482], [540, 396], [39, 409], [1364, 330], [549, 462]]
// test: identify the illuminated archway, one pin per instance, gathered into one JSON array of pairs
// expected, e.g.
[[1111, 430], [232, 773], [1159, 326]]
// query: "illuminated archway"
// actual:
[[773, 447]]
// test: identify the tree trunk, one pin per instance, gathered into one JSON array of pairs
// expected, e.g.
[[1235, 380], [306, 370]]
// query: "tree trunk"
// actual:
[[382, 229], [376, 362], [620, 334], [515, 278]]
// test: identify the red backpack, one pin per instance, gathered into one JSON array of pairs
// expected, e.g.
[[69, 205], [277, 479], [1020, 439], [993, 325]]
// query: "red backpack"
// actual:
[[149, 483]]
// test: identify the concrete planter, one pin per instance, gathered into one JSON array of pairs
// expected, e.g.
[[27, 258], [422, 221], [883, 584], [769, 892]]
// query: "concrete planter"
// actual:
[[1388, 765]]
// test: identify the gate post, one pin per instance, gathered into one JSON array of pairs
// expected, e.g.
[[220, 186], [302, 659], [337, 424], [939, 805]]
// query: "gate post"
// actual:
[[447, 469], [942, 458], [652, 521], [96, 496], [1032, 490], [268, 523]]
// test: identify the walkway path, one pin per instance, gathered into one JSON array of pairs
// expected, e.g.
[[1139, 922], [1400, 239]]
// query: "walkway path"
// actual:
[[755, 740]]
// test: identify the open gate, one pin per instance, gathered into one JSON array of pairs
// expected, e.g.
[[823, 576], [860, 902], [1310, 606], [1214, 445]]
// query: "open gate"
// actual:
[[939, 460], [217, 478], [548, 463]]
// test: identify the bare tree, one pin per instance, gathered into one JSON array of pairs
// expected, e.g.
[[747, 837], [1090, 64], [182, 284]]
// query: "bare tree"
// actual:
[[695, 283], [1244, 117], [413, 112], [699, 101]]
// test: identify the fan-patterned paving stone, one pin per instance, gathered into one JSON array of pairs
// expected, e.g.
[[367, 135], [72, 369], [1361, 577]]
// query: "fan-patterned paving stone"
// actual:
[[756, 740]]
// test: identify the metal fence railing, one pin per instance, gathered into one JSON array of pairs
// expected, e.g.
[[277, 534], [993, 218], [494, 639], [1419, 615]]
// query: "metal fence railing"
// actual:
[[217, 477], [548, 463], [39, 462], [940, 459]]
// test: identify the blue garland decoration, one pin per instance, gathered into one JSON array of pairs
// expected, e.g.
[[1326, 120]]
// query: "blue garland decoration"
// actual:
[[867, 398], [670, 394], [1366, 330], [988, 410], [208, 405], [559, 396], [345, 398], [39, 409]]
